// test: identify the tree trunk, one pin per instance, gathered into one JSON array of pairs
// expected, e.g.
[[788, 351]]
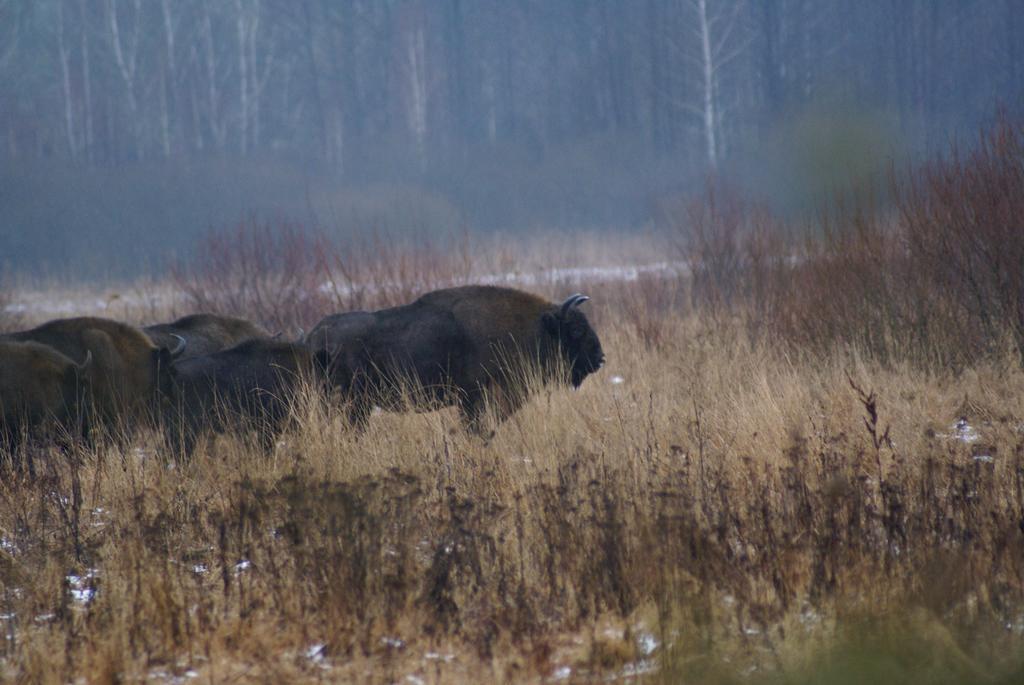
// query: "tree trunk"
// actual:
[[86, 83], [417, 73], [707, 62], [65, 70], [125, 56], [169, 87]]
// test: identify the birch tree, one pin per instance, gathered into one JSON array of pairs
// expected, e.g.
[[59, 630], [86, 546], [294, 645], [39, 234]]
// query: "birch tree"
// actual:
[[415, 75], [259, 51], [126, 51], [85, 29], [716, 39], [169, 100], [64, 57], [215, 119], [255, 61]]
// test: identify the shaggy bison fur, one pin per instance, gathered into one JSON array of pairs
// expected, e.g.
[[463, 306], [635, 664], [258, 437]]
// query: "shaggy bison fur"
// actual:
[[204, 333], [128, 372], [471, 346], [41, 391], [250, 386]]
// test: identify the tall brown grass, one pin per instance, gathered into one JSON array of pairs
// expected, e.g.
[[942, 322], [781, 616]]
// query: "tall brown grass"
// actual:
[[789, 467], [717, 490]]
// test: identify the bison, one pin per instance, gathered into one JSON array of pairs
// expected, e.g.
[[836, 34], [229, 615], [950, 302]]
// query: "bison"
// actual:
[[204, 333], [41, 390], [249, 386], [129, 372], [464, 346]]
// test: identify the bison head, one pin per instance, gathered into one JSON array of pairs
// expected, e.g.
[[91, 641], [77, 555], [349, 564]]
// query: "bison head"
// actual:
[[576, 340]]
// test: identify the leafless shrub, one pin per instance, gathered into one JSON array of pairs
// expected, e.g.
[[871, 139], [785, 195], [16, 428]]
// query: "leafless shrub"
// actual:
[[378, 270], [288, 276], [938, 280], [961, 222], [736, 251], [274, 273]]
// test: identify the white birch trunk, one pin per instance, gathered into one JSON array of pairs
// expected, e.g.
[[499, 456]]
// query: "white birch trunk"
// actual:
[[125, 56], [86, 84], [65, 70], [259, 77], [218, 130], [241, 23], [165, 118], [168, 85], [708, 63], [418, 92]]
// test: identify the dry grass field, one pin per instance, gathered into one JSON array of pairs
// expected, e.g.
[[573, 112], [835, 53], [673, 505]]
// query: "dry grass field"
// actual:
[[803, 462]]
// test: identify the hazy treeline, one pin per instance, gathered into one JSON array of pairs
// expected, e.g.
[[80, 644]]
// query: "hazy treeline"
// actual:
[[517, 112]]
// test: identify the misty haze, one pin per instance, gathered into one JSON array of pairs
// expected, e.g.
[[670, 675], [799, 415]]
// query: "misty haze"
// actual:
[[512, 341], [129, 128]]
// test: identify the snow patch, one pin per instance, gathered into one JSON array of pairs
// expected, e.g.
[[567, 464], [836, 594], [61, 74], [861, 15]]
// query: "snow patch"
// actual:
[[964, 432], [562, 673], [435, 656], [392, 642], [647, 643], [810, 617], [49, 305], [82, 587], [638, 668], [165, 677], [315, 652]]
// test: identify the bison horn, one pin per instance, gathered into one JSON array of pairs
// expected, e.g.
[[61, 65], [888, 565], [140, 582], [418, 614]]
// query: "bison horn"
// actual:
[[574, 300], [179, 348], [302, 336], [88, 360]]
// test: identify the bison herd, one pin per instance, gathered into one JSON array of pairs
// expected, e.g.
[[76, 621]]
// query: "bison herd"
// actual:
[[476, 347]]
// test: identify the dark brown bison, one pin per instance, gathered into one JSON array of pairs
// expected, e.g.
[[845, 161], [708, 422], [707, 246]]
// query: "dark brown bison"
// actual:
[[128, 373], [250, 386], [204, 333], [41, 393], [466, 346]]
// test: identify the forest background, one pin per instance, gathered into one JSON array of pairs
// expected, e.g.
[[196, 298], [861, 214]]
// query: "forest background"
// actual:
[[130, 127]]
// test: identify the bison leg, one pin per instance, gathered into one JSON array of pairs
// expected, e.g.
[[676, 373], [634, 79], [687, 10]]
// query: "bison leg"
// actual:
[[361, 394], [492, 402], [180, 435], [473, 408], [358, 410]]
